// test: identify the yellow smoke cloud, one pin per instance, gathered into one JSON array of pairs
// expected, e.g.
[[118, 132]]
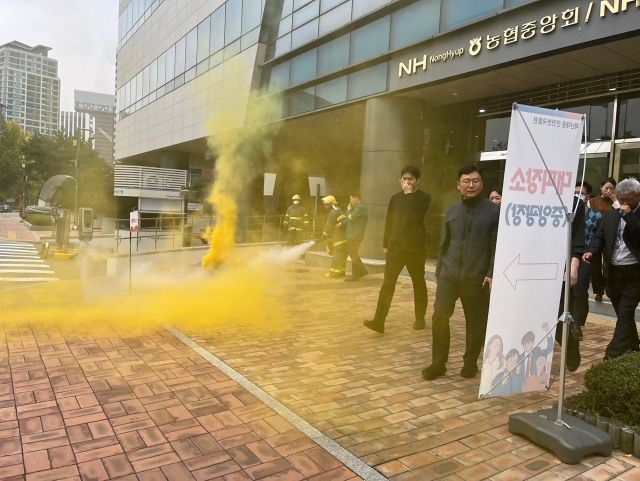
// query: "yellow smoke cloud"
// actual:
[[240, 156]]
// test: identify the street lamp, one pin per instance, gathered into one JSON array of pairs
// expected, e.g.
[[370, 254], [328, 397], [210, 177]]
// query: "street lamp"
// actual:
[[77, 141], [24, 183]]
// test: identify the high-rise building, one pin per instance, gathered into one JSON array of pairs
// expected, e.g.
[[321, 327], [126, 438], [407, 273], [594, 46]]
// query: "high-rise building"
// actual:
[[365, 87], [71, 121], [102, 107], [30, 87]]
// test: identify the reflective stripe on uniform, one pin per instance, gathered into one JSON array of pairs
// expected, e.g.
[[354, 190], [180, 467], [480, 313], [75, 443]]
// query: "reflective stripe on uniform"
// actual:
[[294, 228], [341, 217], [340, 243], [296, 218], [339, 271], [324, 233]]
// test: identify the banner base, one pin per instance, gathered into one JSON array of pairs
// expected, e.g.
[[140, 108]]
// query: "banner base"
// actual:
[[570, 444]]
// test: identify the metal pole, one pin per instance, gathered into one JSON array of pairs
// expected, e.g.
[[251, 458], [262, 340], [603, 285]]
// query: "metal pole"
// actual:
[[75, 213], [566, 319], [130, 240], [24, 183]]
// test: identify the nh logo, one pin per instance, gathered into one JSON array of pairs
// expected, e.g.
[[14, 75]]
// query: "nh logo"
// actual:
[[413, 66]]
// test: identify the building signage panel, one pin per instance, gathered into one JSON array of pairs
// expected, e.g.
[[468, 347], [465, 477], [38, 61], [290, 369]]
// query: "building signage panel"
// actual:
[[512, 37], [531, 250], [149, 193]]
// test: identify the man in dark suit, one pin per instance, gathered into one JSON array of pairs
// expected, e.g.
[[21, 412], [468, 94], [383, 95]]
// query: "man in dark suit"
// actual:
[[619, 237]]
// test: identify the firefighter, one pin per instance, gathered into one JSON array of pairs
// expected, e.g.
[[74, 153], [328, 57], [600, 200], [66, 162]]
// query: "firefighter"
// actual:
[[295, 222], [337, 232]]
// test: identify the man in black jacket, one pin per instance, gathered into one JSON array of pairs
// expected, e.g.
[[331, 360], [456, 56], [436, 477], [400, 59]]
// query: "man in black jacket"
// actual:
[[464, 271], [618, 235], [404, 244]]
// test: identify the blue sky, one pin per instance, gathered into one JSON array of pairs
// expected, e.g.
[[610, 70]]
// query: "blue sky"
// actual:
[[82, 35]]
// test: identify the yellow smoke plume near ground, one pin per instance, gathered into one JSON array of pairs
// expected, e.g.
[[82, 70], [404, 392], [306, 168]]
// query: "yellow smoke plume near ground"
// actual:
[[240, 156]]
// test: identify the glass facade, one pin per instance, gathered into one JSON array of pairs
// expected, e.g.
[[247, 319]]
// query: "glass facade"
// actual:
[[133, 16], [232, 28]]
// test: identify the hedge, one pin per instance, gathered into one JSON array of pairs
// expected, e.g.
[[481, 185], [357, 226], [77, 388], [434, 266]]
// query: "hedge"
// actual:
[[613, 389]]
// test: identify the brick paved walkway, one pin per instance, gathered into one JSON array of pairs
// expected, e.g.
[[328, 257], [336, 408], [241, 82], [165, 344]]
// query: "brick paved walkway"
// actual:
[[93, 403], [12, 229]]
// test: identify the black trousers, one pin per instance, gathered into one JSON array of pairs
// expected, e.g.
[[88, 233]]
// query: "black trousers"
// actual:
[[475, 303], [580, 308], [295, 238], [357, 267], [623, 287], [396, 261], [597, 277]]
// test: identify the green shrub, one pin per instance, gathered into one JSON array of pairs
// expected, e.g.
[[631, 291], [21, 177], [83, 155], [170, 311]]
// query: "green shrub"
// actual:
[[613, 389], [39, 220]]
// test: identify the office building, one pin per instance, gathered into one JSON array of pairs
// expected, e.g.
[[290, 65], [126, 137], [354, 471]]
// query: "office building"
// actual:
[[368, 86], [30, 87], [71, 121], [102, 108]]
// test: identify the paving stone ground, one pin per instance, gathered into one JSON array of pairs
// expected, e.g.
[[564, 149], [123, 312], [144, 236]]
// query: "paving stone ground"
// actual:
[[97, 403]]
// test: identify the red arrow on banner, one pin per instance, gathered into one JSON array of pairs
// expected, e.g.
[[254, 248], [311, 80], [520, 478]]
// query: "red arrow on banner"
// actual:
[[519, 271]]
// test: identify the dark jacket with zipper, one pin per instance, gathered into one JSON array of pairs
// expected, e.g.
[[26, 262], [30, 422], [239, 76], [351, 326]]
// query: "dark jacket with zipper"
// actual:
[[468, 243]]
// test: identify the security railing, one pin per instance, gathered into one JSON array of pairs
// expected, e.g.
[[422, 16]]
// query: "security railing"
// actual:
[[178, 231]]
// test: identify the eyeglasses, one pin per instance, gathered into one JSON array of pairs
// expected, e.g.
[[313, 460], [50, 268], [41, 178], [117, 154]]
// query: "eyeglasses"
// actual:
[[471, 181]]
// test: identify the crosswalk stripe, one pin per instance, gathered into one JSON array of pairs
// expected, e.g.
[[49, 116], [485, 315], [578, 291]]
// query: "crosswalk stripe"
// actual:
[[28, 279], [25, 271], [17, 249], [32, 266], [13, 259], [6, 256]]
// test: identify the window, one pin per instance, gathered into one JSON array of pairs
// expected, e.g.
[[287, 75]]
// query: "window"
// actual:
[[305, 14], [333, 56], [285, 25], [370, 41], [414, 22], [180, 55], [251, 12], [369, 81], [153, 76], [327, 4], [629, 124], [302, 101], [233, 25], [283, 45], [362, 7], [331, 93], [232, 50], [496, 137], [303, 67], [304, 34], [191, 49], [515, 3], [217, 30], [279, 78], [171, 63], [204, 34], [459, 12], [335, 18], [145, 81], [250, 38], [162, 73]]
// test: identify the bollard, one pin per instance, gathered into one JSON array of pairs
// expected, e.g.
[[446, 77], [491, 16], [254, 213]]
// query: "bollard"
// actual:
[[636, 444], [555, 405], [614, 431], [626, 440], [603, 423]]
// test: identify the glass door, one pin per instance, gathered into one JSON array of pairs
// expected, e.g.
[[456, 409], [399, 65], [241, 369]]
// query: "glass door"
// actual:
[[628, 161]]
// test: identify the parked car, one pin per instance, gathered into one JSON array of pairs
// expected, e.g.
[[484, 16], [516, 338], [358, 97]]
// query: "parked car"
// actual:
[[5, 208]]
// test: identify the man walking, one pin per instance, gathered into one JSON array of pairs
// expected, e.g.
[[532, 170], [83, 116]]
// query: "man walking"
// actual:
[[356, 221], [464, 271], [404, 244], [619, 237], [603, 204], [295, 221], [335, 230]]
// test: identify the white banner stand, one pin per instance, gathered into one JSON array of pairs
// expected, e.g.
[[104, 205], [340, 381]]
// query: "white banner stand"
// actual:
[[567, 436]]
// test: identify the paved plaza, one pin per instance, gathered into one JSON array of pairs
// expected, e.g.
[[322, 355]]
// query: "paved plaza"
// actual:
[[97, 402]]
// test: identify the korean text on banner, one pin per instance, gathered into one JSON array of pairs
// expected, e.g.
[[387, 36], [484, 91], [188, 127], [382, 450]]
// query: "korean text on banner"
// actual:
[[134, 221], [531, 250]]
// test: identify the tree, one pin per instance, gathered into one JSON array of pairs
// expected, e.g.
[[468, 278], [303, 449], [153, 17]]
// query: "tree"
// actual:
[[10, 159], [54, 155]]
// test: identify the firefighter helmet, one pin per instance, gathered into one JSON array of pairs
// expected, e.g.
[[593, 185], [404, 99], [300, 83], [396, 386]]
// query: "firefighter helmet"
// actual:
[[295, 197], [329, 200]]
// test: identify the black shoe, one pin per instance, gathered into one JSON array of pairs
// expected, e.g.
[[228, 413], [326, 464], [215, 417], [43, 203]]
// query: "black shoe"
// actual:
[[351, 278], [469, 371], [374, 326], [576, 330], [419, 325], [598, 298], [573, 358], [434, 371]]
